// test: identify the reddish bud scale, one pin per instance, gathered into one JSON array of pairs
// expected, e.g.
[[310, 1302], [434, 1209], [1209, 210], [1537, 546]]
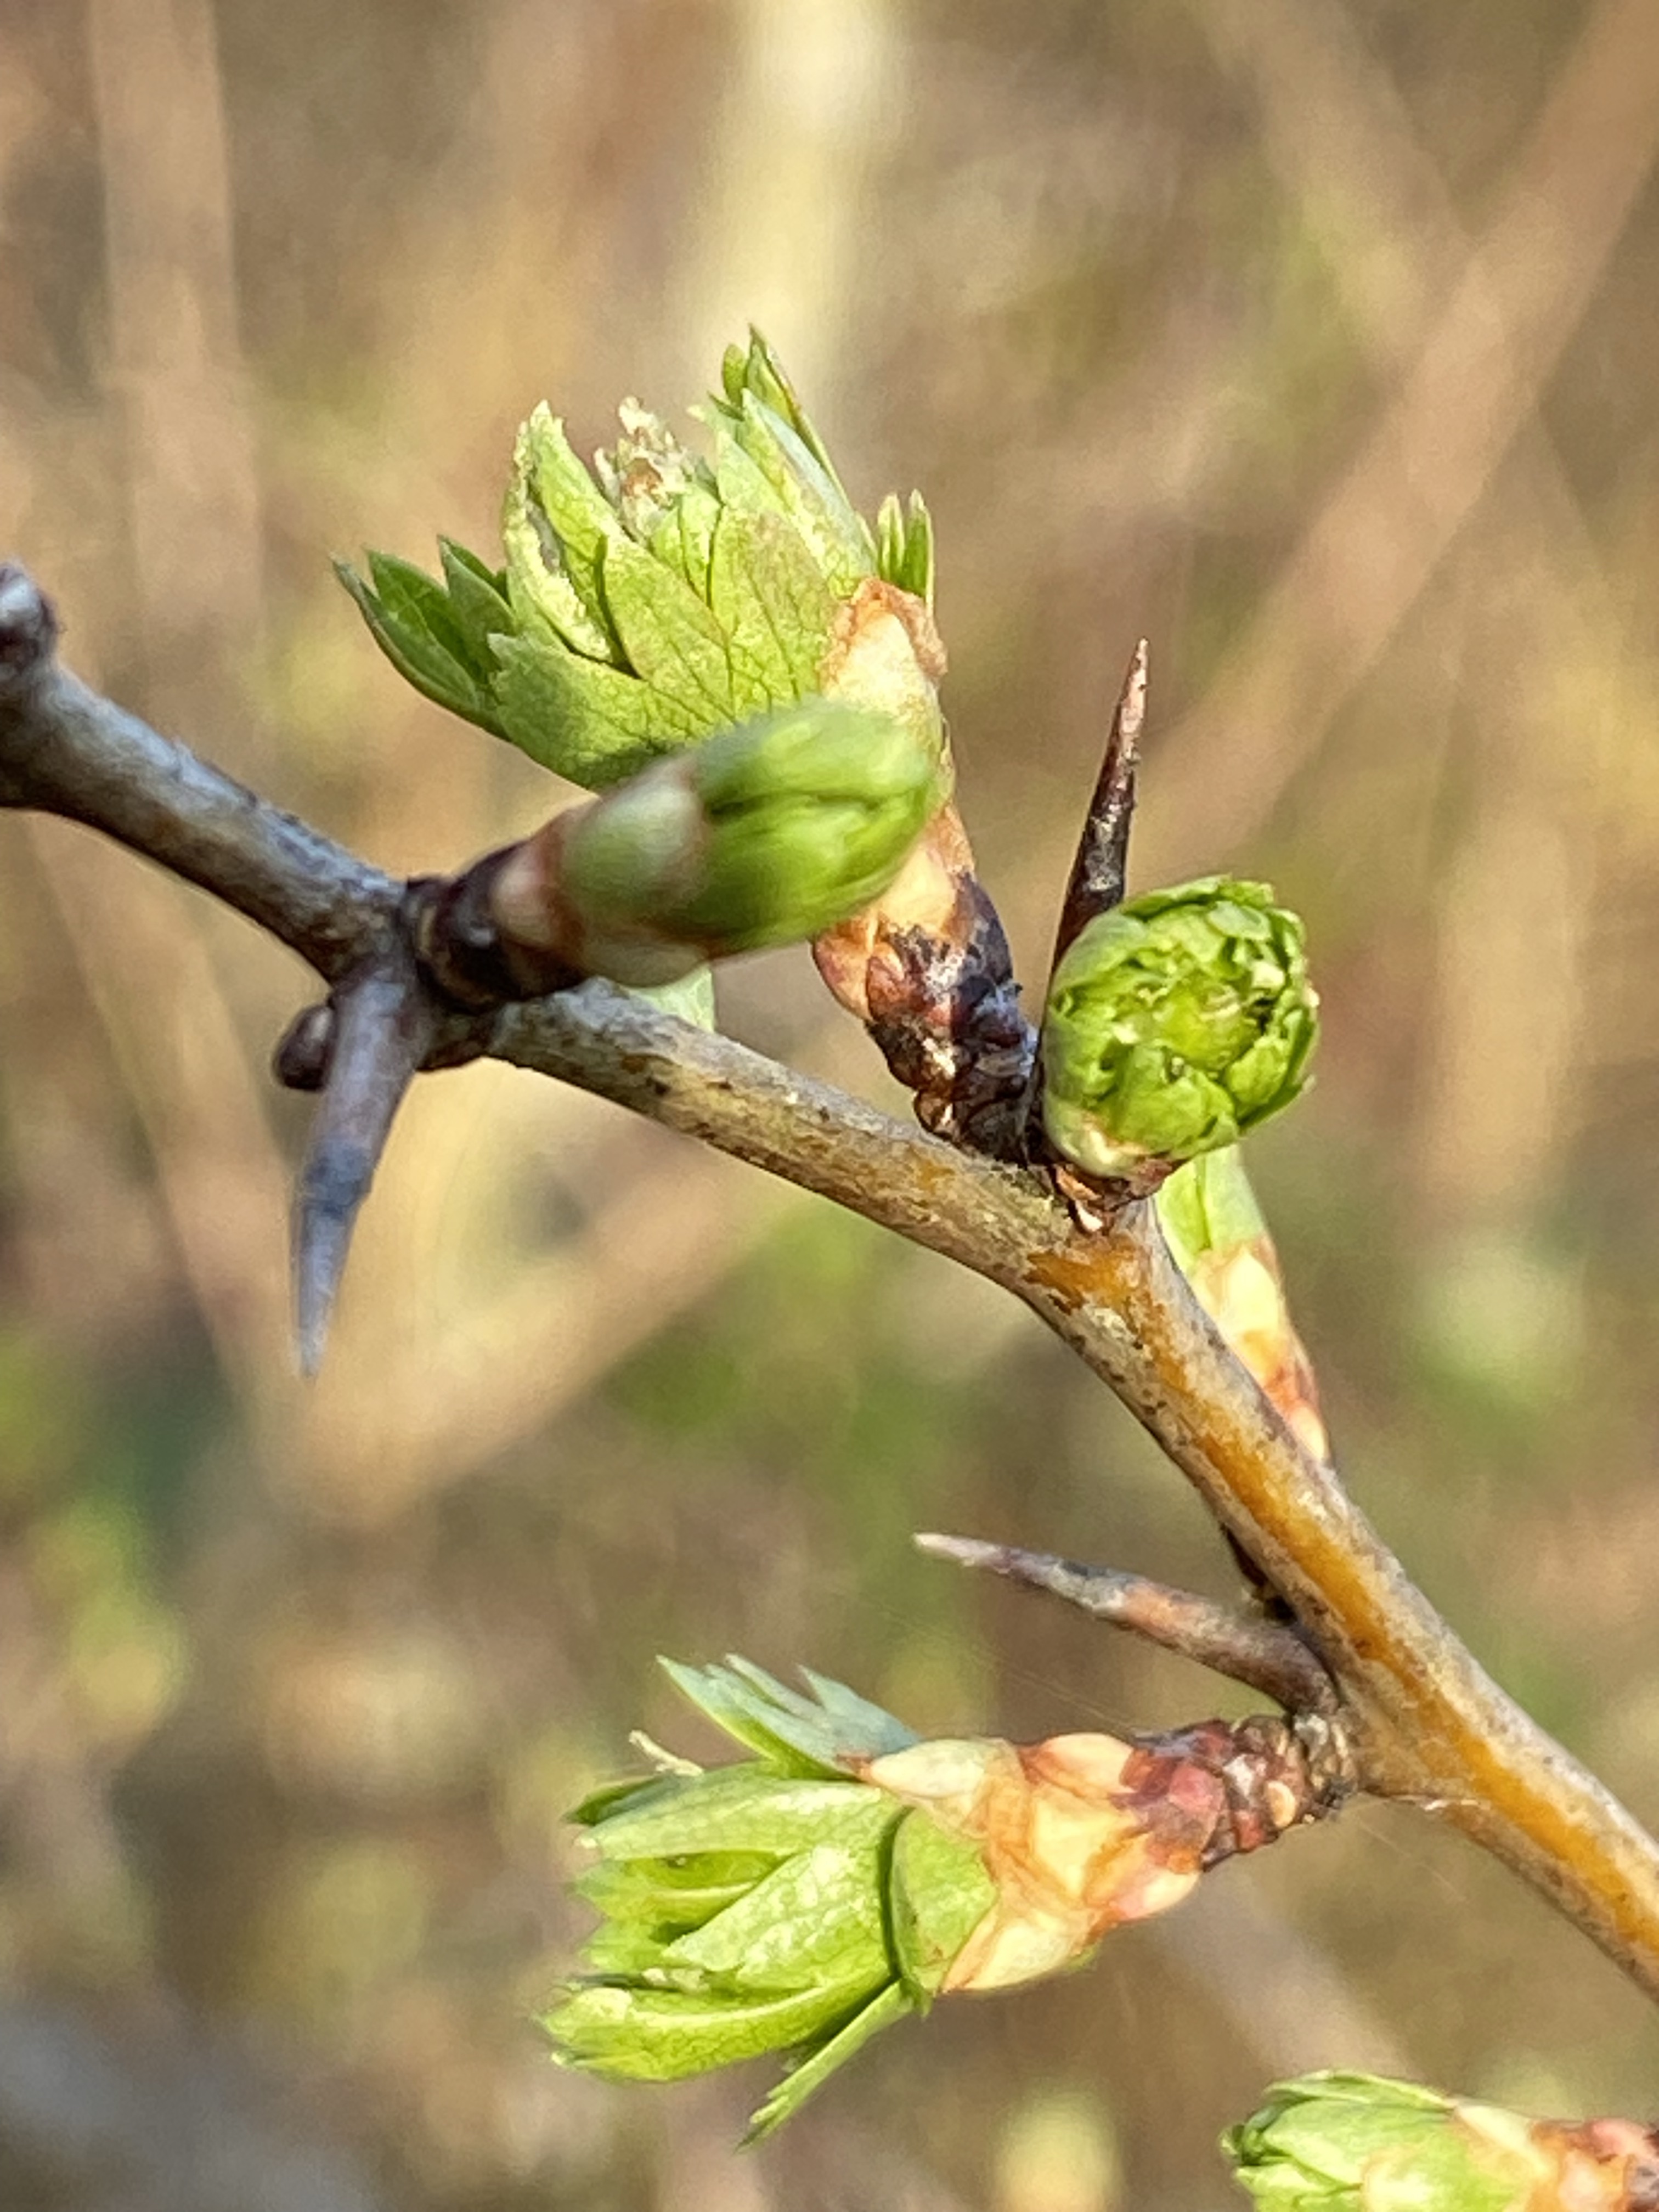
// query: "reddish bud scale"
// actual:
[[459, 938], [927, 969], [1082, 1833], [1218, 1789], [1600, 2166]]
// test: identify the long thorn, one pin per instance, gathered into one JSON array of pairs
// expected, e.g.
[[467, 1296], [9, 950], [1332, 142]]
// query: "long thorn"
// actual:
[[1100, 868], [384, 1026], [1263, 1654]]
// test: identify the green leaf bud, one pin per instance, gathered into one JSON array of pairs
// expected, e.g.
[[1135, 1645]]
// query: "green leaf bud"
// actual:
[[847, 1874], [764, 836], [1218, 1240], [1355, 2143], [751, 1909], [1174, 1023]]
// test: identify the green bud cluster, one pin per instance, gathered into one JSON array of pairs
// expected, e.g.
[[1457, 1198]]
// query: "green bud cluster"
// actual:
[[1356, 2143], [1175, 1023], [644, 607], [775, 1905]]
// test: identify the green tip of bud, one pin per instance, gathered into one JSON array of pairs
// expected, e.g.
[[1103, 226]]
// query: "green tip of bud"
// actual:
[[1356, 2143], [764, 836], [1175, 1023]]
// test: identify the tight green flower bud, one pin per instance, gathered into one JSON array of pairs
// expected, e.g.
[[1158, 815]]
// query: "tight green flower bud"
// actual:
[[1354, 2142], [764, 836], [662, 598], [1174, 1023], [847, 1874]]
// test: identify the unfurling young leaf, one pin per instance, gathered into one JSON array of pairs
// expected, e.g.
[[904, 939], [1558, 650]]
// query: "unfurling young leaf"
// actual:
[[660, 599], [847, 1874]]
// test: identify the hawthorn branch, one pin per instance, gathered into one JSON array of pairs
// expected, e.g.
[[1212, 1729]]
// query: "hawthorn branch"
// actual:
[[1422, 1720]]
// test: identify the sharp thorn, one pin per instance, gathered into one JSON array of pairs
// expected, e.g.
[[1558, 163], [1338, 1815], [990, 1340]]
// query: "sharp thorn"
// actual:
[[383, 1026], [333, 1185], [1100, 870], [1266, 1655]]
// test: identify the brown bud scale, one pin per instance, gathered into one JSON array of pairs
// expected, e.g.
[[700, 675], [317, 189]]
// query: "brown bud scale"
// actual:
[[1218, 1789], [928, 969]]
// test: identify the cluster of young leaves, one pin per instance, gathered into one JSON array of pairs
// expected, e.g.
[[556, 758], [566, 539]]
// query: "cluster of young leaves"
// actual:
[[779, 1904], [643, 606]]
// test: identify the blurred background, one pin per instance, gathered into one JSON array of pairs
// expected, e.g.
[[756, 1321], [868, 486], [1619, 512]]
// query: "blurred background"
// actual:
[[1313, 339]]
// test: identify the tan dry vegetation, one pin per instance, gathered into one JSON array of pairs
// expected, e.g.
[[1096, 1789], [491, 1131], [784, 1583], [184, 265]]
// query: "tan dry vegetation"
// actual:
[[1311, 338]]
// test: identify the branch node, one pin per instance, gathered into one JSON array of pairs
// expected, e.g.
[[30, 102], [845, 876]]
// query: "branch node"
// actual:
[[301, 1061]]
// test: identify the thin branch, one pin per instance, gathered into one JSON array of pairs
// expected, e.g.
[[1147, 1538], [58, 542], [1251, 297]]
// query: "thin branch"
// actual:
[[1263, 1654], [1425, 1723], [68, 750]]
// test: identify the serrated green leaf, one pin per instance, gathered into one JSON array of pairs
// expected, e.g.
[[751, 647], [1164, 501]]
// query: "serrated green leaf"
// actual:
[[745, 1701], [773, 605], [676, 1893], [639, 2035], [453, 550], [671, 639], [745, 1808], [479, 605], [595, 725], [859, 1728], [739, 482], [832, 1725], [412, 599], [581, 518], [826, 2058], [683, 539], [760, 371], [808, 493], [611, 1796], [544, 601], [420, 658], [815, 1918]]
